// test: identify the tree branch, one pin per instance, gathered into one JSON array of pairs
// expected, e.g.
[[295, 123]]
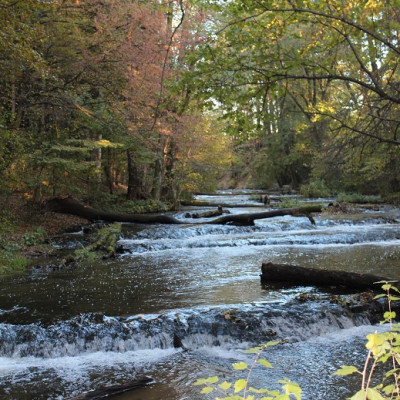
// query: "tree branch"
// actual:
[[333, 17]]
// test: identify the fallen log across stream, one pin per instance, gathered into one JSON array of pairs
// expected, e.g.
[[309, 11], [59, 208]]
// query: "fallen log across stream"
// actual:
[[295, 275], [69, 205], [249, 218]]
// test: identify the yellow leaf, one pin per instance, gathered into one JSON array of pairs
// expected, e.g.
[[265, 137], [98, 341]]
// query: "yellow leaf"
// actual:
[[240, 365], [240, 385]]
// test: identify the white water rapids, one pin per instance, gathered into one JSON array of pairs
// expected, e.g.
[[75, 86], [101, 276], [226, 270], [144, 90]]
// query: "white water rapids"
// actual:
[[70, 331]]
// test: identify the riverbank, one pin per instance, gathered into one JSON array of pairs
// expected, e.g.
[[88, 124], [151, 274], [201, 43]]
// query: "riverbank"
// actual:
[[26, 228]]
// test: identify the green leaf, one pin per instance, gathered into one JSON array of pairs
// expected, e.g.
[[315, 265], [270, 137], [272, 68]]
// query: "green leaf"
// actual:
[[200, 381], [259, 391], [207, 390], [212, 379], [389, 286], [389, 315], [265, 363], [293, 388], [375, 340], [271, 343], [373, 394], [225, 385], [253, 350], [240, 385], [346, 370], [388, 389], [360, 395], [240, 365], [204, 381]]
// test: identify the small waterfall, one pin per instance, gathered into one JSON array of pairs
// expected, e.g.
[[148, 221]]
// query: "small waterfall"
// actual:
[[289, 231], [219, 326]]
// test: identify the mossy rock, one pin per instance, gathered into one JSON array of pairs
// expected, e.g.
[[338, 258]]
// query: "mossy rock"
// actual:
[[107, 238]]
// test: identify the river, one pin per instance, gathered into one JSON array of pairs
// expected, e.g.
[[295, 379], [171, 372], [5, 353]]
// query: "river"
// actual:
[[69, 331]]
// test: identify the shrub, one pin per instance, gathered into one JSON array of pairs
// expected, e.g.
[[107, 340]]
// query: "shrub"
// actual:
[[34, 237], [10, 259], [357, 198], [315, 189]]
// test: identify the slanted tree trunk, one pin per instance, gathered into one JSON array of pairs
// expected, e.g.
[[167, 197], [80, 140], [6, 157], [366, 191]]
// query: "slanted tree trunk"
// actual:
[[295, 275], [69, 205]]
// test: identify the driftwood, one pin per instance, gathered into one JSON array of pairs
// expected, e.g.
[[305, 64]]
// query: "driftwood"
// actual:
[[296, 275], [108, 391], [69, 205]]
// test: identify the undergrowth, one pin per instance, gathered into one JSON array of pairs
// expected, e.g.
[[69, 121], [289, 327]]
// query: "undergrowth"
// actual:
[[118, 203]]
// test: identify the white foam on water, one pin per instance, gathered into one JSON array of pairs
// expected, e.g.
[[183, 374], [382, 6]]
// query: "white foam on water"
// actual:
[[348, 334], [69, 368]]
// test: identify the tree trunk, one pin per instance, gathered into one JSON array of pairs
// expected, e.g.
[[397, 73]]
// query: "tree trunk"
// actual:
[[109, 171], [169, 160], [208, 214], [134, 178], [298, 276], [248, 219], [68, 205], [98, 157], [157, 179]]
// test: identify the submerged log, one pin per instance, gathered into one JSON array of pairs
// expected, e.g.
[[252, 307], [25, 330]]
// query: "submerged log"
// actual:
[[69, 205], [108, 391], [296, 275]]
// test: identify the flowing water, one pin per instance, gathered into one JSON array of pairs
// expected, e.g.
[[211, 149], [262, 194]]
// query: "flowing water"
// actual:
[[69, 331]]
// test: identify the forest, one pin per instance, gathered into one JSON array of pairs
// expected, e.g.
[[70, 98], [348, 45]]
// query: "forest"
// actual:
[[155, 155], [159, 99]]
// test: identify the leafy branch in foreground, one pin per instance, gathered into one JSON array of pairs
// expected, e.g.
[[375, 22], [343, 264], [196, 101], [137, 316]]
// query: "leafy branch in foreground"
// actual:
[[240, 389], [382, 348]]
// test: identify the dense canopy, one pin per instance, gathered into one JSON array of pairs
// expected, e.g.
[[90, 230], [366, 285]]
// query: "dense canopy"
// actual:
[[159, 99]]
